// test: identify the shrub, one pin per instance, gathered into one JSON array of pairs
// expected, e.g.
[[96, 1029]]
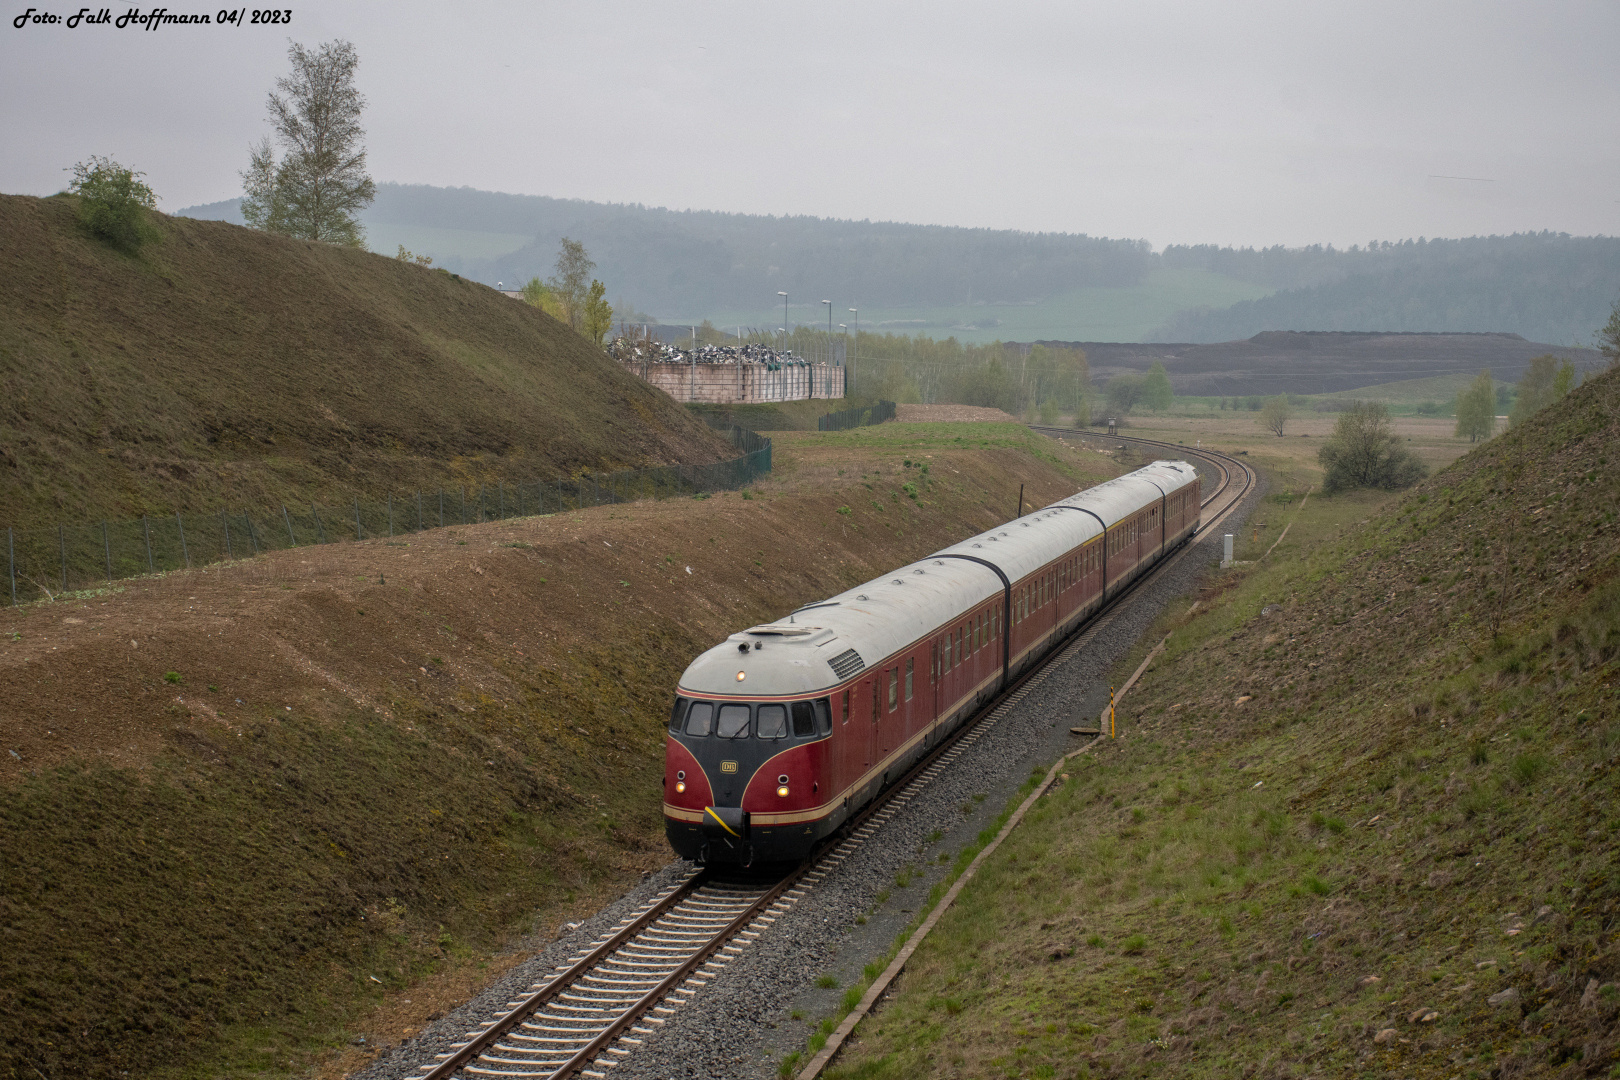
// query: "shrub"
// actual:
[[1364, 451], [113, 203]]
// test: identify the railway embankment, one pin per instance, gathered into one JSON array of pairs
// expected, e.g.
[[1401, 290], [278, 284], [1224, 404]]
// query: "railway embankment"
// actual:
[[1360, 819], [275, 814]]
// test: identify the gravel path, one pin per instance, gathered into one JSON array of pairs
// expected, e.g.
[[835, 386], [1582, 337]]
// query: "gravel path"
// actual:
[[742, 1023]]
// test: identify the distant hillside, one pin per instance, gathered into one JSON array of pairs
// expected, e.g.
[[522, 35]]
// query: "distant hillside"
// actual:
[[229, 367], [1545, 287], [982, 284], [685, 262]]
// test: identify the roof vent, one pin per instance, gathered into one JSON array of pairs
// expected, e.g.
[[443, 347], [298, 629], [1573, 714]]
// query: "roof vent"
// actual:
[[846, 663], [899, 581]]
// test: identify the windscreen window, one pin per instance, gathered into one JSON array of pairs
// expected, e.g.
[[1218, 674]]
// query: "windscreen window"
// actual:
[[700, 718], [733, 722], [804, 720], [772, 721], [823, 716], [677, 713]]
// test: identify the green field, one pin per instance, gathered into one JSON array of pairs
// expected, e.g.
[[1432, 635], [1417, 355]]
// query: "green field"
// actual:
[[1093, 314]]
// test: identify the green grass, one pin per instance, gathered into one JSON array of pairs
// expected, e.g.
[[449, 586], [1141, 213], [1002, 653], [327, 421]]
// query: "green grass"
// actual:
[[222, 367], [1411, 793]]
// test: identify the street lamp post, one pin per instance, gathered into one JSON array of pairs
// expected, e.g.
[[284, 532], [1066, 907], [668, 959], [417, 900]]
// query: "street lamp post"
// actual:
[[849, 380], [783, 295]]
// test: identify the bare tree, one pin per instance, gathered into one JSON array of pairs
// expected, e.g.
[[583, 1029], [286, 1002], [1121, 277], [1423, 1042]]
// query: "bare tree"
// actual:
[[316, 191], [572, 283], [1275, 414]]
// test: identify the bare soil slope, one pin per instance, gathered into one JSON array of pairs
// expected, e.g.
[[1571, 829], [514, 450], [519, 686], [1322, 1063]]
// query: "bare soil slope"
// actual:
[[224, 365], [232, 798]]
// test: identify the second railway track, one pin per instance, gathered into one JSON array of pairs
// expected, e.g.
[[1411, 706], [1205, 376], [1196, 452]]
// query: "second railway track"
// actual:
[[598, 1008]]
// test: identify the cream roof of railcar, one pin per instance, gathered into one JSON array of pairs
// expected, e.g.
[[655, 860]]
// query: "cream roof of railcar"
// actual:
[[810, 650]]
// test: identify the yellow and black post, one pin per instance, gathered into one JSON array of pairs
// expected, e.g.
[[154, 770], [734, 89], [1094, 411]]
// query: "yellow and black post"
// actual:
[[1110, 712]]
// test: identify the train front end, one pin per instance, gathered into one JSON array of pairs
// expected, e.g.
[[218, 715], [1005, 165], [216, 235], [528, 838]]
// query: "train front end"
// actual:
[[747, 754]]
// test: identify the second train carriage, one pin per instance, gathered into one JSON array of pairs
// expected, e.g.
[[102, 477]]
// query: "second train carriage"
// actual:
[[783, 731]]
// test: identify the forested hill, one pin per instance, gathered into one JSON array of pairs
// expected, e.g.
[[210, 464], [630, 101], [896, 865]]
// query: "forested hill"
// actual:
[[697, 261], [1544, 287], [695, 264]]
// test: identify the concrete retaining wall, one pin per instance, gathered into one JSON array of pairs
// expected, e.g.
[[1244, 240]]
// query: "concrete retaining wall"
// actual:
[[733, 384]]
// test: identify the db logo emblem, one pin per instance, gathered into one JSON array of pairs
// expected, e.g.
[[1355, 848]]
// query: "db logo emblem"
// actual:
[[728, 766]]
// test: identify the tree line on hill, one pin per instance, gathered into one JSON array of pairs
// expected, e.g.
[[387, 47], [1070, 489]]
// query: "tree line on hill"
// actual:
[[1543, 286]]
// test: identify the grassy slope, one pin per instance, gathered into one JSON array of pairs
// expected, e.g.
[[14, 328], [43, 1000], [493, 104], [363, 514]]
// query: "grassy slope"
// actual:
[[381, 760], [224, 365], [1372, 779]]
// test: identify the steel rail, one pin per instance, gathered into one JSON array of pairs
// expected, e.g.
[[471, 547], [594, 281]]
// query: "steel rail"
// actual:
[[560, 981]]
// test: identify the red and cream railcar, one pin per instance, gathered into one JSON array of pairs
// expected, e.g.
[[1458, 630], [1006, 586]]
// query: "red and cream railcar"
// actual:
[[783, 731]]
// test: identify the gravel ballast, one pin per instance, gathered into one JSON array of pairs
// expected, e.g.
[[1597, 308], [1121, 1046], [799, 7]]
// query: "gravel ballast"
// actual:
[[741, 1024]]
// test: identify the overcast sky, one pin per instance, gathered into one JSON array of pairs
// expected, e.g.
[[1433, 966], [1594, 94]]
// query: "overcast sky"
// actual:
[[1177, 122]]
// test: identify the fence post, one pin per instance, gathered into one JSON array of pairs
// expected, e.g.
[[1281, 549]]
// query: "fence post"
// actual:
[[441, 508], [500, 495], [146, 530], [225, 521], [11, 557], [464, 504], [390, 515], [106, 542], [418, 511], [181, 525], [318, 525], [287, 520], [252, 538], [61, 544], [358, 528]]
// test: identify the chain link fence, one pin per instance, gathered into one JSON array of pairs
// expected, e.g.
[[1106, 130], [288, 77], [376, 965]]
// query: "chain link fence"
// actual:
[[845, 419], [47, 563]]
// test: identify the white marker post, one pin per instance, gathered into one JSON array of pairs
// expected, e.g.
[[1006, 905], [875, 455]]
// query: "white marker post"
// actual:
[[1226, 556]]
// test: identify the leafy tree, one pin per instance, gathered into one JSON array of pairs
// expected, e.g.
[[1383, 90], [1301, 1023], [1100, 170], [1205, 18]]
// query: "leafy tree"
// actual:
[[1609, 336], [598, 313], [572, 282], [1476, 411], [1364, 451], [1544, 382], [539, 294], [1156, 392], [316, 190], [1124, 393], [113, 203], [1275, 414]]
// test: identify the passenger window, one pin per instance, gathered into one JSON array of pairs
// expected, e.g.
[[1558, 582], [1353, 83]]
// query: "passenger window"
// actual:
[[846, 706], [772, 721], [908, 678], [804, 719], [733, 722], [894, 688], [947, 652], [823, 715], [699, 719]]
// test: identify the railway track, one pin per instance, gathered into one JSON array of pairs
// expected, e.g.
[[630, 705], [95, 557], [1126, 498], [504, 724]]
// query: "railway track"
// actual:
[[597, 1008]]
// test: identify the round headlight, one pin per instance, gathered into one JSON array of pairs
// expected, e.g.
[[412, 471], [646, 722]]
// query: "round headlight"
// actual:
[[741, 675], [680, 787], [782, 791], [680, 774]]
